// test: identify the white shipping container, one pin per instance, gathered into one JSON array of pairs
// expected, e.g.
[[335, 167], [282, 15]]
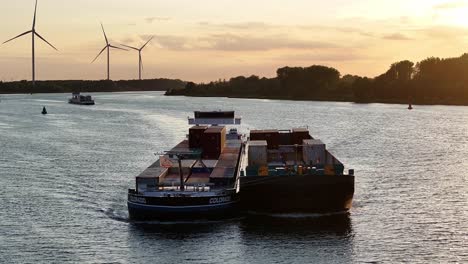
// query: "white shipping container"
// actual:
[[258, 153], [313, 151]]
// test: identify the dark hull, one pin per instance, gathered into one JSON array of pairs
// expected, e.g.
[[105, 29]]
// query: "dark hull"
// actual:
[[81, 103], [296, 194], [182, 208]]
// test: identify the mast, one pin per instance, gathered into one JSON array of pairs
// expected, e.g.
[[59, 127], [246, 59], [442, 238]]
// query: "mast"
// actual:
[[181, 174]]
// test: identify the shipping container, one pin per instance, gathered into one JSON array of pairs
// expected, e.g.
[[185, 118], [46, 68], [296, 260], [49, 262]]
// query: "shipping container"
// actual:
[[298, 135], [271, 136], [258, 153], [195, 135], [213, 141], [227, 160], [313, 152]]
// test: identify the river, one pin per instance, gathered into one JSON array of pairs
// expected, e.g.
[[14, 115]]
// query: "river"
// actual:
[[64, 179]]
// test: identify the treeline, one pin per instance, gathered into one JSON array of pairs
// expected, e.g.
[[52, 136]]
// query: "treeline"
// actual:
[[431, 81], [90, 86]]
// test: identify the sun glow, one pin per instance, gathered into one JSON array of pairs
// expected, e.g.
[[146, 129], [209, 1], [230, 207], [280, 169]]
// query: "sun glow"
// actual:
[[457, 17]]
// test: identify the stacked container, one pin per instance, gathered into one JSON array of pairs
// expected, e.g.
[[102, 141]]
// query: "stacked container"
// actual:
[[195, 136], [213, 141], [258, 153], [313, 152], [299, 134], [271, 136]]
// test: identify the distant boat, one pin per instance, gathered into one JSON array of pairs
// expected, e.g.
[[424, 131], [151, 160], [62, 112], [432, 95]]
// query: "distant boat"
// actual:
[[44, 111], [81, 99]]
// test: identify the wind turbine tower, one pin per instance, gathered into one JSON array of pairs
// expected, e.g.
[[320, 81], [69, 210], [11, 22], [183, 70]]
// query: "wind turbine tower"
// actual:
[[33, 34], [140, 62], [108, 47]]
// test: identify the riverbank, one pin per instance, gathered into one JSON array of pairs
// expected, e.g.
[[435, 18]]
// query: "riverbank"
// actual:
[[433, 81], [350, 100], [69, 86]]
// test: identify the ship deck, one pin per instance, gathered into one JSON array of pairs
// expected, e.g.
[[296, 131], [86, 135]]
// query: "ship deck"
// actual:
[[197, 177]]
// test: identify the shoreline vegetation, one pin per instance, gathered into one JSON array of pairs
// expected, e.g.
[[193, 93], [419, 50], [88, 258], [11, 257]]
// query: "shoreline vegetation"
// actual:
[[433, 81], [69, 86]]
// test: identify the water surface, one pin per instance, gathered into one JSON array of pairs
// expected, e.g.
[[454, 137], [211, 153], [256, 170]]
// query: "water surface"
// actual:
[[64, 178]]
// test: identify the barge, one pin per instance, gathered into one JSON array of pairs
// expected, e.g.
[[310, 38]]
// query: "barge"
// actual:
[[196, 179], [290, 172]]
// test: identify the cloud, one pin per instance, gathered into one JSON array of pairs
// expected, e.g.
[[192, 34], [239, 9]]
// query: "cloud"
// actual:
[[172, 42], [322, 57], [396, 36], [233, 42], [445, 32], [256, 26], [451, 5], [150, 20], [250, 25], [240, 42]]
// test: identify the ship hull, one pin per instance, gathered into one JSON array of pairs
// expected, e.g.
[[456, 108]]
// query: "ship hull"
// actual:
[[182, 208], [81, 103], [297, 194]]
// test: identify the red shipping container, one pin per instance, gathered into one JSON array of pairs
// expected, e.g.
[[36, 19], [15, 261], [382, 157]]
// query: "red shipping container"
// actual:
[[213, 141], [195, 135]]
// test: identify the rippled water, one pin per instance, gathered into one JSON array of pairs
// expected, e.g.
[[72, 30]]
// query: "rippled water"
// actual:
[[64, 178]]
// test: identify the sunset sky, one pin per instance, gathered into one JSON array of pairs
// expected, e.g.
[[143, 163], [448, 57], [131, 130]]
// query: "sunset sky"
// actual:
[[209, 40]]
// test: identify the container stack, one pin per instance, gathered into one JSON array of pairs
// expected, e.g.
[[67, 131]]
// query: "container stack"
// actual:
[[213, 141], [258, 158], [258, 153], [298, 135], [195, 136], [314, 152], [271, 136]]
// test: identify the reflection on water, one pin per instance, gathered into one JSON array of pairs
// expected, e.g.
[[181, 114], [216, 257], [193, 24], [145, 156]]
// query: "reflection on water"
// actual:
[[338, 225], [64, 179], [251, 239]]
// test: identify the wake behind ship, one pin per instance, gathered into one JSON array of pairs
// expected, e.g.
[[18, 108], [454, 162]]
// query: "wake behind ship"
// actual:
[[198, 178]]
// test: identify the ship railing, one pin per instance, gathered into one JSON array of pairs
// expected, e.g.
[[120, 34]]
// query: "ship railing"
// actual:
[[205, 187]]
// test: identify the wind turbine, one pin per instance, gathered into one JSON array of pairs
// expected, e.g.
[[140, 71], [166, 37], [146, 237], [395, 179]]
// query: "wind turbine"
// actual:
[[33, 34], [140, 62], [108, 46]]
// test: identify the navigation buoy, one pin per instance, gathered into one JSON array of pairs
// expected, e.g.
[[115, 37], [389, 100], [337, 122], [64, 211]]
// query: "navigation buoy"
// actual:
[[44, 111]]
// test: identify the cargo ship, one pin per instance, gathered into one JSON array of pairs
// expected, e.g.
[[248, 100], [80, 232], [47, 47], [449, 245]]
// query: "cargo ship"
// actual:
[[290, 172], [77, 98], [196, 179]]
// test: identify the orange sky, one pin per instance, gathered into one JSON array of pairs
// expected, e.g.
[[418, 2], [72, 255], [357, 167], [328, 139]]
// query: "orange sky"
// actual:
[[208, 40]]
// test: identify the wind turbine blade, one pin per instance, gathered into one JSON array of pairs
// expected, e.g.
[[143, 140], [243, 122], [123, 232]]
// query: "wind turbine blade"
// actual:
[[130, 47], [100, 53], [37, 34], [34, 19], [146, 43], [141, 62], [103, 31], [22, 34], [112, 46]]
